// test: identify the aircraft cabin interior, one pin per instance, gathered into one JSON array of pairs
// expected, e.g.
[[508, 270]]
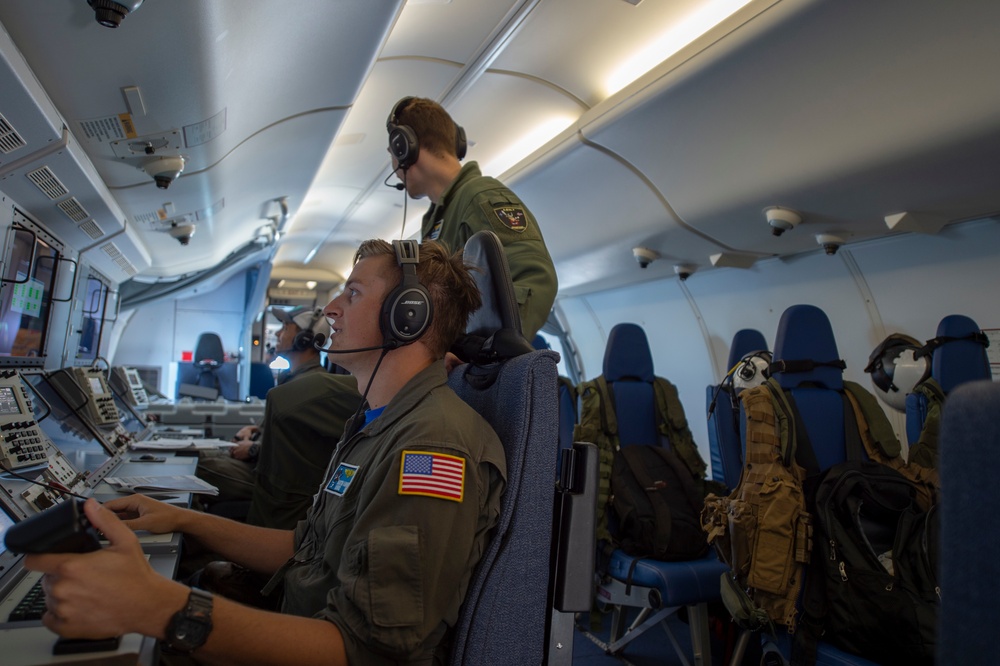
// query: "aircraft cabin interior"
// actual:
[[799, 194]]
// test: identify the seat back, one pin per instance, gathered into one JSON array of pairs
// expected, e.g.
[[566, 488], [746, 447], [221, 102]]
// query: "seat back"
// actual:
[[957, 358], [808, 366], [208, 351], [567, 406], [505, 614], [261, 380], [628, 371], [970, 571], [723, 412]]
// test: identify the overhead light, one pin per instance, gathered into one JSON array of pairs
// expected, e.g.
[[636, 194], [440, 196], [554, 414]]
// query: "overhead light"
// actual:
[[528, 143], [310, 284], [680, 34], [281, 283]]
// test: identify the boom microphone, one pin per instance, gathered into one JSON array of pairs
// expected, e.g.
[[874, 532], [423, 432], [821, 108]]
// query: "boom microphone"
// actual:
[[321, 340], [398, 186]]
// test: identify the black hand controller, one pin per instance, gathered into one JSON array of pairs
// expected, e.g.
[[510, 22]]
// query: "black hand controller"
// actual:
[[63, 528]]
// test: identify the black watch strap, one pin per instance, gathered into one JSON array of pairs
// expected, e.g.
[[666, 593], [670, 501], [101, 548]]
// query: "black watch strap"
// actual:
[[189, 627]]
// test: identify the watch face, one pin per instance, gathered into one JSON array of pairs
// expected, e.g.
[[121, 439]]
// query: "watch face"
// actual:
[[190, 633]]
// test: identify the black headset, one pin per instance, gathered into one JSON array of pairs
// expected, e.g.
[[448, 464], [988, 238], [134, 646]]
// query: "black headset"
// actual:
[[406, 311], [304, 339], [403, 142]]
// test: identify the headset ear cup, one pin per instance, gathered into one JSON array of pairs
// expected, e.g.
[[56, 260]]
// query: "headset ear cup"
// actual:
[[403, 145], [303, 340], [461, 143]]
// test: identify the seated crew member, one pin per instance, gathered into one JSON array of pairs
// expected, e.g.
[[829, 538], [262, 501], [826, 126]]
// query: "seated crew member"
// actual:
[[232, 471], [426, 146], [378, 570]]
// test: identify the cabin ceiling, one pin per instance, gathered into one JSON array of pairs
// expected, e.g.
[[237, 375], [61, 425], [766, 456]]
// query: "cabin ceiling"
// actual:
[[846, 112]]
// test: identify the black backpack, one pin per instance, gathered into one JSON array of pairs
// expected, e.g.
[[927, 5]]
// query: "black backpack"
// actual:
[[872, 585], [657, 505]]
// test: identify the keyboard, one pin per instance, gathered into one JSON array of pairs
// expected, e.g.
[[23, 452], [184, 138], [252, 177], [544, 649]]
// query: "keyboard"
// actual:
[[31, 606]]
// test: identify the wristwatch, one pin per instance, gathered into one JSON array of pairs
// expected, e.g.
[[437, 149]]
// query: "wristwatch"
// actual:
[[189, 627]]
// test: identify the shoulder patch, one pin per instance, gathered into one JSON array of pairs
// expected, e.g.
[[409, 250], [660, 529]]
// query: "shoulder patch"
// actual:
[[432, 475], [512, 217]]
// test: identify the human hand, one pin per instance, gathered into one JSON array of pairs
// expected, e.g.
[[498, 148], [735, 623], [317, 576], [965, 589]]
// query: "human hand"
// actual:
[[139, 512], [108, 592], [242, 450], [245, 433]]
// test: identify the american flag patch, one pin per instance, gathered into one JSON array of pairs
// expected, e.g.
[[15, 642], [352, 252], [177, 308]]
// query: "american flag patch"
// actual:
[[432, 475]]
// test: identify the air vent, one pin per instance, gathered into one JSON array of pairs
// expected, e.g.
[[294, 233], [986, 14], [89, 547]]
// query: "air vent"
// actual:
[[10, 140], [73, 209], [123, 263], [47, 182], [91, 229]]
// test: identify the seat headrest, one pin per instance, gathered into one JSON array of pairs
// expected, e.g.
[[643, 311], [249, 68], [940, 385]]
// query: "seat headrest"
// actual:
[[961, 354], [627, 354], [805, 350], [494, 330], [209, 350], [745, 341]]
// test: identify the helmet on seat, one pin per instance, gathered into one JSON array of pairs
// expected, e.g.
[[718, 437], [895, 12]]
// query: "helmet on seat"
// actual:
[[752, 370], [896, 368]]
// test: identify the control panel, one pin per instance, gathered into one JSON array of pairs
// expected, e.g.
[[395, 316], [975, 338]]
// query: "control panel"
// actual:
[[100, 402], [22, 443], [128, 384]]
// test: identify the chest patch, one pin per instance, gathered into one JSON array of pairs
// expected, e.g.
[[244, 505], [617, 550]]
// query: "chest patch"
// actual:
[[432, 475], [512, 217], [342, 479]]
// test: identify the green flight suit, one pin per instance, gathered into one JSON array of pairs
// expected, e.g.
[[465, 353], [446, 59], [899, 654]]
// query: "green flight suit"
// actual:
[[391, 568], [305, 420], [474, 202]]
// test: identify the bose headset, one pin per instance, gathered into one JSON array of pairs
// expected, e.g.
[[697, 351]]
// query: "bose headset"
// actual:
[[403, 142], [406, 311]]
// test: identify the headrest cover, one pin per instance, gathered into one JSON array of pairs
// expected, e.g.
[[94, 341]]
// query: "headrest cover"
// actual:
[[805, 335], [962, 357], [745, 341], [499, 312], [627, 354]]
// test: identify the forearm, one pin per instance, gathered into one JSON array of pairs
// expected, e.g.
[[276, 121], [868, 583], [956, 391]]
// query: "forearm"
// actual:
[[244, 635], [258, 548]]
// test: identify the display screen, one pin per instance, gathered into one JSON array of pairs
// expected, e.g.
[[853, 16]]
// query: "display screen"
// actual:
[[6, 522], [8, 402], [132, 423], [133, 378], [96, 387], [25, 295], [66, 430]]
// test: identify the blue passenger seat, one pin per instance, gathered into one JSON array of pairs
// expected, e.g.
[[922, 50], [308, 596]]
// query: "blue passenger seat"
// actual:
[[970, 524], [806, 367], [958, 356], [521, 600], [657, 589], [723, 412]]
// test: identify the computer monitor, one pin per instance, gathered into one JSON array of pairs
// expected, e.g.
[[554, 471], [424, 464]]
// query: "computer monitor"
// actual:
[[65, 427], [26, 295]]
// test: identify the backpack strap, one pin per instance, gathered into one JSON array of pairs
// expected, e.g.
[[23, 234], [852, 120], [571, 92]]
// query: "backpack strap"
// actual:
[[599, 426], [881, 445], [672, 424], [925, 450]]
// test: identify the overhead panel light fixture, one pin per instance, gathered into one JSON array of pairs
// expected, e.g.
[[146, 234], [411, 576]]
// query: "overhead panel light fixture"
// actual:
[[677, 36], [528, 143]]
